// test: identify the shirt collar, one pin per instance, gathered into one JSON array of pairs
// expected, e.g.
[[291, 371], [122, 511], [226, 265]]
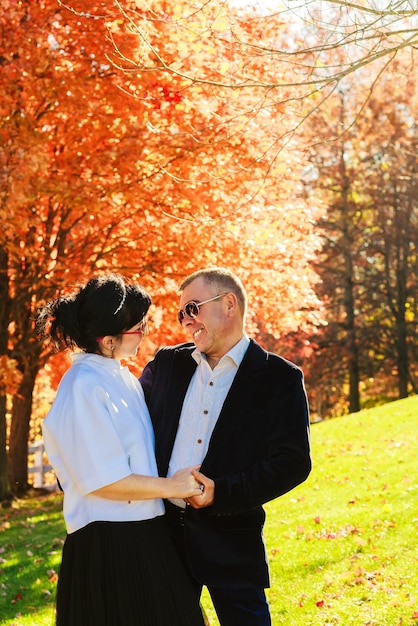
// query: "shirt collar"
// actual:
[[236, 353], [96, 360]]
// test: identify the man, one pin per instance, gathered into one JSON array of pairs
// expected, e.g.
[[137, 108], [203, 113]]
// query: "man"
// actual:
[[241, 413]]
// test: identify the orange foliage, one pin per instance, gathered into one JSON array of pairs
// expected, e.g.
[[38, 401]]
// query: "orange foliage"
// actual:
[[110, 163], [9, 375], [142, 172]]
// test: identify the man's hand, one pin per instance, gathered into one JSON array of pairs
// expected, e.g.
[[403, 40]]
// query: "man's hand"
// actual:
[[207, 495]]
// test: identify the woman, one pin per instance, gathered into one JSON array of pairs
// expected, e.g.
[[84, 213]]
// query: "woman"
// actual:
[[118, 567]]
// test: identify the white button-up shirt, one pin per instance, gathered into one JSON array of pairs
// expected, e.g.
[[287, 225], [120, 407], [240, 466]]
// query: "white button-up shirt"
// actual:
[[202, 405]]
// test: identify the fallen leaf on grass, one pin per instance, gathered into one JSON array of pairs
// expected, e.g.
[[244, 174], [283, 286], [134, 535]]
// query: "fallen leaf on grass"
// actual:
[[17, 597], [53, 577]]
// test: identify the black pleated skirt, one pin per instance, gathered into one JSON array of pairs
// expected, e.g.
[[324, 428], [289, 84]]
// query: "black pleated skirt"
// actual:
[[124, 574]]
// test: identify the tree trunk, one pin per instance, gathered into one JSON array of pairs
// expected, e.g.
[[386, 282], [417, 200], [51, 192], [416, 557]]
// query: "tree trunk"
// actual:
[[349, 307], [354, 379], [402, 357], [353, 357], [4, 481], [402, 244], [19, 434], [4, 323]]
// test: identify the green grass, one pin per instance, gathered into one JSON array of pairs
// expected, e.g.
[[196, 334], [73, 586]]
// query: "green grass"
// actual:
[[342, 547], [31, 539]]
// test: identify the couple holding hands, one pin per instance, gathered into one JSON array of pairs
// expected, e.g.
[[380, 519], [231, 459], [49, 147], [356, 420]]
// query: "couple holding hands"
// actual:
[[164, 478]]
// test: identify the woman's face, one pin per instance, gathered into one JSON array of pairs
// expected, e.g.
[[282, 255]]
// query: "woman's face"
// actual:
[[128, 343]]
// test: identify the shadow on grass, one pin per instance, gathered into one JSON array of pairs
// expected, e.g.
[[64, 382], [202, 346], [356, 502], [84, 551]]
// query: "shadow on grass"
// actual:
[[32, 532]]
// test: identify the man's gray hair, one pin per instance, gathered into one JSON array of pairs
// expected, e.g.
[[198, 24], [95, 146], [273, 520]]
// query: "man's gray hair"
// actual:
[[223, 279]]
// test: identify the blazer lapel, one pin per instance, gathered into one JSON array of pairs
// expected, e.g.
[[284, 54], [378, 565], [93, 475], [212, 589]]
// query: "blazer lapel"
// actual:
[[182, 368]]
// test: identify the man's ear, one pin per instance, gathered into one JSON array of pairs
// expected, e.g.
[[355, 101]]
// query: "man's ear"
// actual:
[[231, 303]]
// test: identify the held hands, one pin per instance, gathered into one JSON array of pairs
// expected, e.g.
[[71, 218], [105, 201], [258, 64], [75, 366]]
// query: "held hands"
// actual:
[[183, 484], [206, 494]]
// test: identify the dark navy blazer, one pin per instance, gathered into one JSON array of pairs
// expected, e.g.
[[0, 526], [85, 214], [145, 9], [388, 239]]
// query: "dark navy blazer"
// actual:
[[258, 451]]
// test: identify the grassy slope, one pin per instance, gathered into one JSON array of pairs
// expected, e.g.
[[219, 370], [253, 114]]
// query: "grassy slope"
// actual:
[[342, 546]]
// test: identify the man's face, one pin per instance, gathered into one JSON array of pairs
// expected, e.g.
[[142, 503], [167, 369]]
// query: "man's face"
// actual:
[[209, 328]]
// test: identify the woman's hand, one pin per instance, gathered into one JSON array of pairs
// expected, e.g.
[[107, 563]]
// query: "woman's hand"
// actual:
[[183, 484], [137, 487]]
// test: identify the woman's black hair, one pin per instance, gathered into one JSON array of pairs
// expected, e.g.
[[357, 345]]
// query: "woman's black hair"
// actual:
[[107, 305]]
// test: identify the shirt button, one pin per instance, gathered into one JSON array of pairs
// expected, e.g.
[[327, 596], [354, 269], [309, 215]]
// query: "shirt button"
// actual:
[[199, 441], [205, 412], [211, 383]]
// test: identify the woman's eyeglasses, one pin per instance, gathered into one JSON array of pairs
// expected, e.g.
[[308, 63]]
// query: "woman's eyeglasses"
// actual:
[[141, 330], [192, 308]]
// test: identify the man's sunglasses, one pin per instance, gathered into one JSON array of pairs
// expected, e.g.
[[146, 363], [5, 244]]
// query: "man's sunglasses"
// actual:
[[192, 308]]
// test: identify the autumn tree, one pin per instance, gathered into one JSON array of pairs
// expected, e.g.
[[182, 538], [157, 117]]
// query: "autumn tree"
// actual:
[[63, 154], [391, 182], [297, 61], [368, 262], [97, 178], [343, 238], [321, 42]]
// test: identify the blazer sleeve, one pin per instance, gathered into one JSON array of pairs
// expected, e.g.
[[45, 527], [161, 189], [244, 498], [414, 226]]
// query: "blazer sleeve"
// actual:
[[168, 364], [147, 379], [165, 380]]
